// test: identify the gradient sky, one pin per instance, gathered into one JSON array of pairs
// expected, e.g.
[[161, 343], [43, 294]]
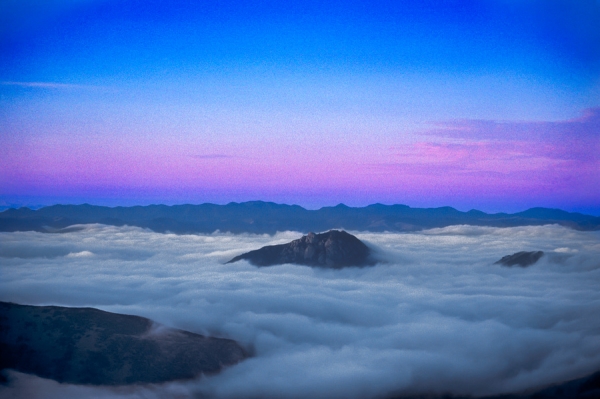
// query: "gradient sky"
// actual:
[[493, 105]]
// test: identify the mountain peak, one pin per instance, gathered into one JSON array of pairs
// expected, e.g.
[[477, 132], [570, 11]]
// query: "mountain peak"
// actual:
[[333, 249]]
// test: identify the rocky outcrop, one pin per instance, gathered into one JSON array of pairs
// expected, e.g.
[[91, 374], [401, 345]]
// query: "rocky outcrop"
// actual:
[[522, 259], [90, 346], [333, 249]]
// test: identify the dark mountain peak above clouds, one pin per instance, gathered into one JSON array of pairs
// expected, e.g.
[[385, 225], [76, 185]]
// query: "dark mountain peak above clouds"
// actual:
[[267, 217], [333, 249], [90, 346], [522, 259]]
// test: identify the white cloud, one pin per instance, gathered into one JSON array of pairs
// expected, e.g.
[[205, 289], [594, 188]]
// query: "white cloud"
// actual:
[[565, 250], [438, 316], [81, 254]]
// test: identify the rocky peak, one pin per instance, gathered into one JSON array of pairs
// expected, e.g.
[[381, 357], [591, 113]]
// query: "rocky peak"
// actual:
[[332, 249]]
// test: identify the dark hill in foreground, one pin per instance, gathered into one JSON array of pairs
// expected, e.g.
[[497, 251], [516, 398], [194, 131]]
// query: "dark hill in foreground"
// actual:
[[267, 217], [90, 346], [333, 249]]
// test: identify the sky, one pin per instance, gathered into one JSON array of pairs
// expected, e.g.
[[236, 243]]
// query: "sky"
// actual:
[[492, 105], [435, 316]]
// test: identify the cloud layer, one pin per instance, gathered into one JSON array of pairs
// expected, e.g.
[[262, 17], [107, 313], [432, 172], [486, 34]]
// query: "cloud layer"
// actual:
[[437, 316]]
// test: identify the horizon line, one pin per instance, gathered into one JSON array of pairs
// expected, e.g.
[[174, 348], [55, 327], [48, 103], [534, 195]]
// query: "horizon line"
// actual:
[[339, 205]]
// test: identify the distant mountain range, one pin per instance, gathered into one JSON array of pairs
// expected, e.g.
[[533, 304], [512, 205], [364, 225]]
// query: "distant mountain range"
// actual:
[[268, 217]]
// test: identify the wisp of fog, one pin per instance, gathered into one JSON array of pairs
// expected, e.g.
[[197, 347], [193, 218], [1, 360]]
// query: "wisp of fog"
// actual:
[[435, 316]]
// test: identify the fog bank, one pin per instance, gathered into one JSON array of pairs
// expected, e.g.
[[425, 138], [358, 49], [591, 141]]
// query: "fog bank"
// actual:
[[435, 316]]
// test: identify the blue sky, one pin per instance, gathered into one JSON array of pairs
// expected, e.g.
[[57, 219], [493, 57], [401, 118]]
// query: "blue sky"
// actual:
[[290, 83]]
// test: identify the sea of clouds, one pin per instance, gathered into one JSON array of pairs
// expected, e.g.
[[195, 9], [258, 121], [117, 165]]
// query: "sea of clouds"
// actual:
[[435, 316]]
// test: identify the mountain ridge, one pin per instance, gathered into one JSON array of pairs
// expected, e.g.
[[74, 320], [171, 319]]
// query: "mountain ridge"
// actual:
[[269, 217], [94, 347]]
